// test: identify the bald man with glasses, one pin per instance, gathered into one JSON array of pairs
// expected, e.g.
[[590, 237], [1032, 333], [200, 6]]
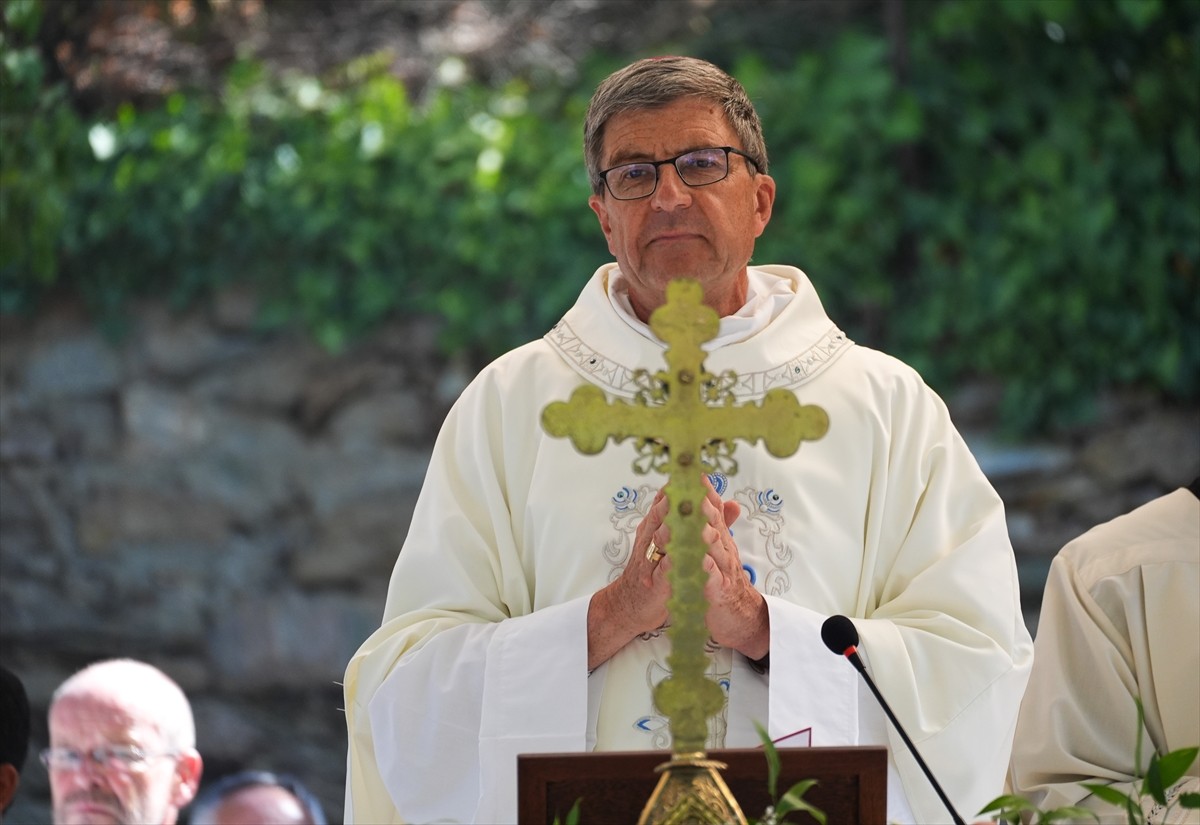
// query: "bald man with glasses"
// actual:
[[122, 747]]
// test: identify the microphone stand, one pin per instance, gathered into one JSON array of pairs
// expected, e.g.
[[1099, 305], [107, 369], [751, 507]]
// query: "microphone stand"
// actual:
[[852, 654]]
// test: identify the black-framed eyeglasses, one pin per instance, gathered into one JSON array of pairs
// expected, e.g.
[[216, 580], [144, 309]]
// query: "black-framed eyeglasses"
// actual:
[[699, 167], [118, 758]]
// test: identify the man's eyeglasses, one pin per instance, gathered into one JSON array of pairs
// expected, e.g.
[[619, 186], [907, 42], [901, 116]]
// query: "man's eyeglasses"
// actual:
[[118, 758], [699, 167]]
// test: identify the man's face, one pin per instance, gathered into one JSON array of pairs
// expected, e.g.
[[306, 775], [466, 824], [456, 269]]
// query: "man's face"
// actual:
[[146, 794], [706, 233]]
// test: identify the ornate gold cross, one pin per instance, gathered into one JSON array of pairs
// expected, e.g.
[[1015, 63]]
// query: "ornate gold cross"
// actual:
[[685, 422]]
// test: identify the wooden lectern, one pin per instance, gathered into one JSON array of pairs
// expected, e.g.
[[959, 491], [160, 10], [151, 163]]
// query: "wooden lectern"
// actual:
[[613, 787]]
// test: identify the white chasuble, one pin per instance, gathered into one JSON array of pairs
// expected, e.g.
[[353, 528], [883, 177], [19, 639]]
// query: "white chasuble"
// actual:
[[1120, 622], [482, 654]]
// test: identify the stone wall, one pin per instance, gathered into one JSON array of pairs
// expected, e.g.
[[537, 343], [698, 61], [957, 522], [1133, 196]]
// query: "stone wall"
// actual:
[[224, 503], [227, 503]]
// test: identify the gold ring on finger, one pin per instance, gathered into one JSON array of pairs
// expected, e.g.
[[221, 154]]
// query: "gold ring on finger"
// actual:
[[653, 554]]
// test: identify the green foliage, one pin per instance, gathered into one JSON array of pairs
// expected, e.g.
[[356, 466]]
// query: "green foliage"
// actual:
[[833, 122], [338, 201], [41, 143], [1058, 226], [792, 800], [1015, 809], [572, 815], [1022, 206], [1161, 774]]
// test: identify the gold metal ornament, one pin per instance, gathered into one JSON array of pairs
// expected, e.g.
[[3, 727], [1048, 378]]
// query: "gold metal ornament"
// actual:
[[684, 422]]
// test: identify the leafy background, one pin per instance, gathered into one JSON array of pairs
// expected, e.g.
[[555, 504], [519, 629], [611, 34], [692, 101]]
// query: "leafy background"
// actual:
[[1009, 190]]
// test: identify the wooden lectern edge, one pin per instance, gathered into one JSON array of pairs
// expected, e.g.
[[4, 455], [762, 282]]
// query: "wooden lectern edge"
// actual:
[[549, 783]]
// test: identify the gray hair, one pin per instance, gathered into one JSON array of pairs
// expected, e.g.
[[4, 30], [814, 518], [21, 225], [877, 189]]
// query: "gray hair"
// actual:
[[658, 81]]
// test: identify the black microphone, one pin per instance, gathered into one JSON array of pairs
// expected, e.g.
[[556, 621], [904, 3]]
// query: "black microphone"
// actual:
[[841, 636]]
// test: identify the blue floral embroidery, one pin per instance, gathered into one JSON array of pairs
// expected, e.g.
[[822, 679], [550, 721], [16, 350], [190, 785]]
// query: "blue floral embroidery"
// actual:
[[630, 505], [770, 501], [651, 724], [720, 482], [762, 515], [724, 683], [625, 499]]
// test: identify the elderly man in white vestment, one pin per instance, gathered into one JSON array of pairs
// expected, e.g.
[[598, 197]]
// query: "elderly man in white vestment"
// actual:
[[525, 613], [1120, 621]]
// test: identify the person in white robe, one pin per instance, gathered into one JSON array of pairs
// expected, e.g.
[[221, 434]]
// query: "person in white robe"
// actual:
[[1120, 620], [526, 609]]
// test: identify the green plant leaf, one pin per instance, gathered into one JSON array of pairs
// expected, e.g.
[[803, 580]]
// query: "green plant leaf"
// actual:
[[572, 815], [773, 762], [1069, 813], [792, 798], [1172, 766], [792, 801], [1109, 794], [1010, 808], [1006, 802], [1137, 745]]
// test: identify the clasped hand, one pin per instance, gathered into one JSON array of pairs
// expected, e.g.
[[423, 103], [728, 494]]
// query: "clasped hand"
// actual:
[[636, 602]]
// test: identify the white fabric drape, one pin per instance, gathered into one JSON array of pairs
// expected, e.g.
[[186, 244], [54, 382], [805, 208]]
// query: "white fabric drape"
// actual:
[[1120, 619], [887, 519]]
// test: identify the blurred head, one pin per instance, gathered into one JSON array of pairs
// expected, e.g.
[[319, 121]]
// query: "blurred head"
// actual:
[[678, 166], [254, 797], [14, 735], [122, 746]]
